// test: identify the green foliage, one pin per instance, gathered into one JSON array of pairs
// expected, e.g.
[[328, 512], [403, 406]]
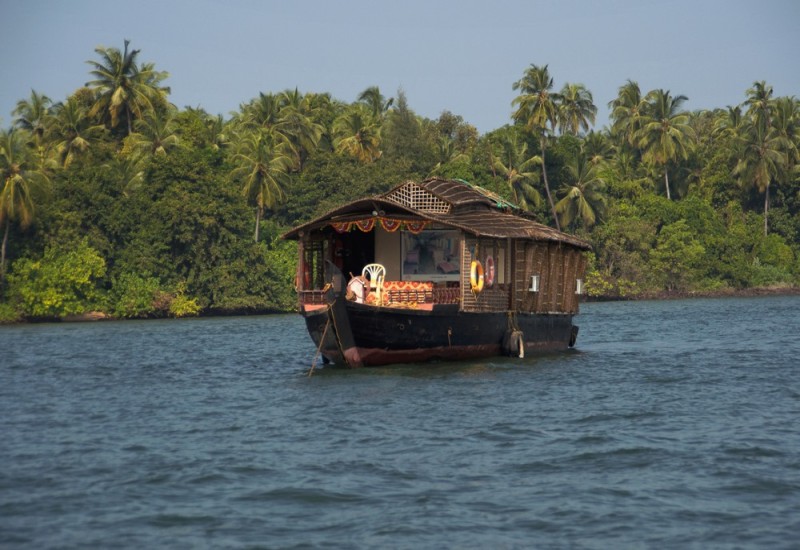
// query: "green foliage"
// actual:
[[773, 250], [330, 180], [281, 259], [404, 138], [181, 305], [154, 223], [133, 296], [676, 256], [65, 281], [774, 262], [8, 313], [623, 246], [193, 227]]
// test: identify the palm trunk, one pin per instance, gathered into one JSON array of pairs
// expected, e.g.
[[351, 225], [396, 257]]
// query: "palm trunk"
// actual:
[[547, 185], [666, 183], [258, 222], [766, 210]]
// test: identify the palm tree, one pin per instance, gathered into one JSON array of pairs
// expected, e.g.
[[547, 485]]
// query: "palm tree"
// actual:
[[537, 109], [155, 134], [447, 152], [624, 175], [297, 123], [289, 113], [597, 147], [357, 135], [576, 110], [759, 102], [516, 165], [199, 129], [263, 160], [264, 111], [375, 101], [323, 110], [126, 91], [216, 133], [33, 115], [665, 132], [786, 121], [728, 123], [762, 158], [626, 112], [21, 185], [126, 171], [583, 198], [72, 130]]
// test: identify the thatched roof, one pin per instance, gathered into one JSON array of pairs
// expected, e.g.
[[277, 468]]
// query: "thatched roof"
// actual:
[[451, 203]]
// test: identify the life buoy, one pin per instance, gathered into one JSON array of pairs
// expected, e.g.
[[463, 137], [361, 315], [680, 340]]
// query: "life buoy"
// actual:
[[489, 272], [476, 276]]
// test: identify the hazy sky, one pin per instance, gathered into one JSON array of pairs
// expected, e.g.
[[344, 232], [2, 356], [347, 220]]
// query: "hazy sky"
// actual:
[[456, 55]]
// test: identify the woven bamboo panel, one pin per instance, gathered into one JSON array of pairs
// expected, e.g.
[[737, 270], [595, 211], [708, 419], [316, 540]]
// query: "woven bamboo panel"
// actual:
[[414, 196], [518, 271], [496, 298]]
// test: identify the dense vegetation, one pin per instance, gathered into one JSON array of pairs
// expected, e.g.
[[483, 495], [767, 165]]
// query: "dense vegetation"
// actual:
[[114, 200]]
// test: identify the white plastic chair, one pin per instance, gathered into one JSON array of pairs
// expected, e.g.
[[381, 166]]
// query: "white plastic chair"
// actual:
[[374, 273]]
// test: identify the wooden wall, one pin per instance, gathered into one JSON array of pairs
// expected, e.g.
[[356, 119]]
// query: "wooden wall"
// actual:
[[558, 266]]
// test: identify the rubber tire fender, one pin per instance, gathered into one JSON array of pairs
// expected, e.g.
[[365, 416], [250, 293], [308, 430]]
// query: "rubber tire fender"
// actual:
[[514, 344]]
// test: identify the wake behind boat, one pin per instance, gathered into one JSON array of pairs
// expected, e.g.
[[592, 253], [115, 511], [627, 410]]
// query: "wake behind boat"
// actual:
[[437, 270]]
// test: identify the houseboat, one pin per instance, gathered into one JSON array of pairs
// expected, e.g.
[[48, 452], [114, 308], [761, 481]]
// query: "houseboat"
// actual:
[[436, 270]]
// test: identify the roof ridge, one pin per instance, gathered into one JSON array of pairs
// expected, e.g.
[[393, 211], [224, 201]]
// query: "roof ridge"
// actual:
[[500, 202]]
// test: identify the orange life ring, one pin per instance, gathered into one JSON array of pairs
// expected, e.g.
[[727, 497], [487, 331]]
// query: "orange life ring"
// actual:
[[476, 276], [489, 272]]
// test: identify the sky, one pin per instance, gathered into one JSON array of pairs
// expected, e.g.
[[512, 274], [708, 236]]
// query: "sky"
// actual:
[[461, 56]]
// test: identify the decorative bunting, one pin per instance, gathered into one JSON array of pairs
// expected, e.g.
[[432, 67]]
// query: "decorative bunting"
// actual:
[[366, 225], [342, 227], [391, 225], [416, 227]]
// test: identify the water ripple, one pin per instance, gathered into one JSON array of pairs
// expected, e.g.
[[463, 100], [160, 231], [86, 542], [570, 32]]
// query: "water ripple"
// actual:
[[673, 425]]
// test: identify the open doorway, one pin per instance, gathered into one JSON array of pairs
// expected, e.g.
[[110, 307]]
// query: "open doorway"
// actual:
[[353, 250]]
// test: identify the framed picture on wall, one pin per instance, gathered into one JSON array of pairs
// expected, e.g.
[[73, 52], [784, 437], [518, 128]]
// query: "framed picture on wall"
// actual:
[[431, 255]]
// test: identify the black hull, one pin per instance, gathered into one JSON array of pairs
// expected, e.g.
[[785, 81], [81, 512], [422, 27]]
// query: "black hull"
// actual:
[[360, 335]]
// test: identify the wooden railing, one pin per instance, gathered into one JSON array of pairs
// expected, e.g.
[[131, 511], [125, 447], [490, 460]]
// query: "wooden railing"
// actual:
[[395, 293], [311, 297]]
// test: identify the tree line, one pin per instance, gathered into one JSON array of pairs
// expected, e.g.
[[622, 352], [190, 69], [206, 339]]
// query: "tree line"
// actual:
[[115, 200]]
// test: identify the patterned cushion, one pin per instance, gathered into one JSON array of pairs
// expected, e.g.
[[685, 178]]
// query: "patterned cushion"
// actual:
[[407, 293], [407, 285]]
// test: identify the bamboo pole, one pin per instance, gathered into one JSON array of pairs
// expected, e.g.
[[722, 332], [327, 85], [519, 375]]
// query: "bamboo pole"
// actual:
[[319, 348]]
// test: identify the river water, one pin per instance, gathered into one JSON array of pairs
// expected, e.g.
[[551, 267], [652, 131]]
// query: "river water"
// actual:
[[673, 424]]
